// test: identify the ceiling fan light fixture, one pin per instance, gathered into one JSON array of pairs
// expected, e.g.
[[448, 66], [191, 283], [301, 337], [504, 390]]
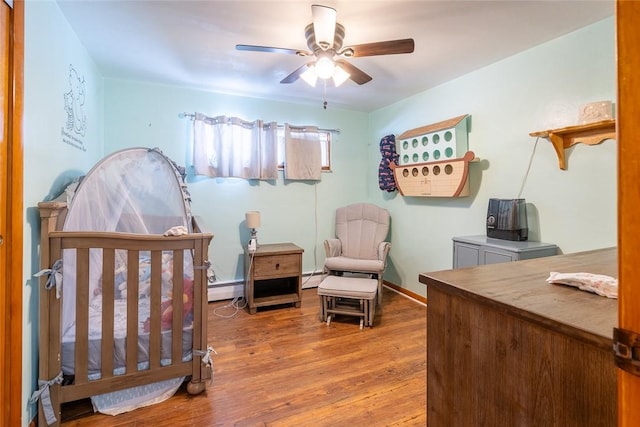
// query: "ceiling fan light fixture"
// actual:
[[310, 76], [325, 67], [340, 76], [325, 38]]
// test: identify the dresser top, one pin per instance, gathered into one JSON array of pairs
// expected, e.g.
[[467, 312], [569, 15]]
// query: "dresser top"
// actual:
[[520, 288]]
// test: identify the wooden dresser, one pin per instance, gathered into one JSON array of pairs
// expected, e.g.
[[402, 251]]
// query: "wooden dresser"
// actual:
[[505, 348]]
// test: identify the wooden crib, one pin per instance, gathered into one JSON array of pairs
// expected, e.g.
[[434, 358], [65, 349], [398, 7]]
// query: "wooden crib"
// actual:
[[81, 384]]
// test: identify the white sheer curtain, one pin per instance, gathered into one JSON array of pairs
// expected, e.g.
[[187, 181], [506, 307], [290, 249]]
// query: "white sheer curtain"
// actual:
[[232, 147], [303, 153]]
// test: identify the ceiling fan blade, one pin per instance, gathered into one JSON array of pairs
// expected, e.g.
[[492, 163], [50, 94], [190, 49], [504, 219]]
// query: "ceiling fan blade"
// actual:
[[380, 48], [324, 25], [252, 48], [296, 74], [355, 73]]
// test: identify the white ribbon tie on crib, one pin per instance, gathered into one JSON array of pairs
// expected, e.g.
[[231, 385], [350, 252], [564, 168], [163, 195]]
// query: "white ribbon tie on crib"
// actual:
[[206, 358], [43, 394], [55, 277]]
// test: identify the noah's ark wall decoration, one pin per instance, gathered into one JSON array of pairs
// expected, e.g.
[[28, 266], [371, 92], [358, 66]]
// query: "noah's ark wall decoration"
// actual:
[[434, 160]]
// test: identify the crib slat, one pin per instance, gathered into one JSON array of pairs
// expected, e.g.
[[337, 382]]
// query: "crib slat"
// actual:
[[178, 306], [199, 314], [82, 316], [156, 301], [108, 296], [133, 259], [53, 332]]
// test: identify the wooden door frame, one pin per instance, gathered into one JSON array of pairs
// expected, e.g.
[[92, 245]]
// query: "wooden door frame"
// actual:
[[11, 255], [628, 111]]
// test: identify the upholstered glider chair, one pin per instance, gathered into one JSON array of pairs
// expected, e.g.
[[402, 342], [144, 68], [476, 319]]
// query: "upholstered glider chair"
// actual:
[[359, 246]]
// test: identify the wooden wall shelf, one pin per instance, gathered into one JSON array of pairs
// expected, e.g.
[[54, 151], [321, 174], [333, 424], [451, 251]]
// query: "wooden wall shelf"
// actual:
[[590, 134]]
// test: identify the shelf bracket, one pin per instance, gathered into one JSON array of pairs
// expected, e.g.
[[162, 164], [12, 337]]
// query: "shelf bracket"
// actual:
[[558, 145]]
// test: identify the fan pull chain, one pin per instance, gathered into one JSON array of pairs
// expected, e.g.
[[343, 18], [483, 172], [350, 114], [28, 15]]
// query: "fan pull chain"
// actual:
[[324, 96]]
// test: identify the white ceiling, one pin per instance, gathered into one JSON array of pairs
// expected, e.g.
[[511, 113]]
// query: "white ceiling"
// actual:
[[192, 43]]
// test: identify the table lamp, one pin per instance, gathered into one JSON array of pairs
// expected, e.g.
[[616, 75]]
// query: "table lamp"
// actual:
[[253, 222]]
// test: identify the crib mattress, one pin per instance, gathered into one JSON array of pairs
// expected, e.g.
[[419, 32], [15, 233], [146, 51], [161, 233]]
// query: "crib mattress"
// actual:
[[120, 335]]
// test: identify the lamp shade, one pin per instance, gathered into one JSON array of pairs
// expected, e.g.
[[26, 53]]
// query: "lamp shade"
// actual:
[[253, 219]]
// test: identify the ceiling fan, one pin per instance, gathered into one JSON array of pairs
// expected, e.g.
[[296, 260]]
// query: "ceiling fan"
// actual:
[[324, 39]]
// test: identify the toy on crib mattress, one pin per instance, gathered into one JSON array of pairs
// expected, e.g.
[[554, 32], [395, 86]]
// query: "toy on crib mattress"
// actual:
[[166, 308], [120, 281], [144, 279]]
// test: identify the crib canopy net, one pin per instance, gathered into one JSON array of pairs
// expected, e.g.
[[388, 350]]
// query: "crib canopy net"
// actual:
[[136, 190], [133, 191]]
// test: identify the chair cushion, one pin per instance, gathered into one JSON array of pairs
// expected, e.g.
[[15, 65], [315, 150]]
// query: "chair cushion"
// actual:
[[342, 263], [349, 287], [361, 227]]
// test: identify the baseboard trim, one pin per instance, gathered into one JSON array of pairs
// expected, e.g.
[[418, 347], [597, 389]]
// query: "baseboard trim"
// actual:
[[225, 291], [234, 289], [312, 280], [405, 292]]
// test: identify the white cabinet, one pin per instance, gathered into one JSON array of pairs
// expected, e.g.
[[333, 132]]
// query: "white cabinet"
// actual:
[[469, 251]]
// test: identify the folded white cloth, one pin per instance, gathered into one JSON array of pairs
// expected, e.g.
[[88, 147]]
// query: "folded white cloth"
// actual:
[[178, 230], [600, 284]]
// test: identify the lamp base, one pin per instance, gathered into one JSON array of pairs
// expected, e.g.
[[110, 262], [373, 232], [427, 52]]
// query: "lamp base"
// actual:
[[253, 241], [253, 245]]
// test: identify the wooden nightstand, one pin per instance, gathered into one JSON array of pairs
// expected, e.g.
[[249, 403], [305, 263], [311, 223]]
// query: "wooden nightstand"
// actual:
[[274, 275]]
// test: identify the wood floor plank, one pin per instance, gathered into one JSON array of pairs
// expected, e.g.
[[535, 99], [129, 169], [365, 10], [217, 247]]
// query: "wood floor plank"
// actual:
[[284, 367]]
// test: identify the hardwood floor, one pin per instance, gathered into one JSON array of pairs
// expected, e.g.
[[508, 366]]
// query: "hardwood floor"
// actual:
[[284, 367]]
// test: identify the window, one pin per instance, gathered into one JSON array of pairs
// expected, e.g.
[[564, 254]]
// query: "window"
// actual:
[[233, 147], [325, 144]]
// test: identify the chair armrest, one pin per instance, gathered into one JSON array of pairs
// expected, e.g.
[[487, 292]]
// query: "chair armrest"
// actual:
[[332, 247], [383, 251]]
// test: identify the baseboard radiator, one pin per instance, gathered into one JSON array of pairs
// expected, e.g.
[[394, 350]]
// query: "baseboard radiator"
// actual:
[[219, 291]]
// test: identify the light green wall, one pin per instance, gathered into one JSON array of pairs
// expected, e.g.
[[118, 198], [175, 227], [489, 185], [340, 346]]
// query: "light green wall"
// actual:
[[535, 90], [140, 114], [50, 163], [539, 89]]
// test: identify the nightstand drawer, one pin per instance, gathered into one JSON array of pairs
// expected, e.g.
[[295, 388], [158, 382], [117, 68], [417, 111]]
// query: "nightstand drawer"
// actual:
[[276, 265]]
